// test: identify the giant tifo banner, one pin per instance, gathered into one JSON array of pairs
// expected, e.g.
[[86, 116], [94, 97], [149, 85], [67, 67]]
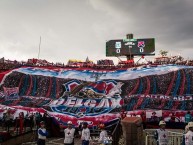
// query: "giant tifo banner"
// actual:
[[170, 80], [158, 102], [87, 107], [90, 110], [99, 95], [106, 111], [76, 109]]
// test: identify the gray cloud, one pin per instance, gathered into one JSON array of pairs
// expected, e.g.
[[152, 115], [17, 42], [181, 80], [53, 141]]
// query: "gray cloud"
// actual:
[[170, 22], [77, 29]]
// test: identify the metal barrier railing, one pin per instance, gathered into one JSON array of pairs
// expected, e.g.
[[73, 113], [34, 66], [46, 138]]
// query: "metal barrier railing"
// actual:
[[116, 134], [175, 138]]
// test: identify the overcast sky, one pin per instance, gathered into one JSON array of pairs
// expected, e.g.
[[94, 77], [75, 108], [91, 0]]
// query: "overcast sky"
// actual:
[[75, 29]]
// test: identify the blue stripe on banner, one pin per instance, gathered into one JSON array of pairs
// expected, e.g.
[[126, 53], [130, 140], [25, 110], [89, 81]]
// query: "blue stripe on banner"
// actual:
[[188, 83], [177, 84], [54, 88], [131, 104], [169, 104], [183, 106], [34, 86], [24, 87], [140, 87], [154, 86], [146, 102]]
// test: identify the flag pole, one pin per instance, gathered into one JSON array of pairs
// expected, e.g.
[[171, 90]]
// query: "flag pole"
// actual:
[[39, 48]]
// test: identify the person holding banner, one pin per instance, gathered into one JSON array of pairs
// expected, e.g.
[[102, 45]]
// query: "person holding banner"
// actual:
[[8, 119], [161, 135], [80, 127], [21, 122]]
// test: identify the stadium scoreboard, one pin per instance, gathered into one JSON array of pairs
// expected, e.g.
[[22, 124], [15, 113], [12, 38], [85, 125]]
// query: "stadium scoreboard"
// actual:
[[125, 47]]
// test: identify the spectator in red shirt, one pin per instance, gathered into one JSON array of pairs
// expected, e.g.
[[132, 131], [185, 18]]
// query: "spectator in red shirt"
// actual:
[[143, 117], [173, 117], [123, 114]]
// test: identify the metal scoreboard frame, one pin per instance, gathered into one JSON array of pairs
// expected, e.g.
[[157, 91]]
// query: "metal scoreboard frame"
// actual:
[[125, 47]]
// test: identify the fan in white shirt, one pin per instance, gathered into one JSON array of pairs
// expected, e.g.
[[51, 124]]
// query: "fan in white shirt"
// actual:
[[189, 135], [161, 134], [103, 135], [69, 134], [85, 134]]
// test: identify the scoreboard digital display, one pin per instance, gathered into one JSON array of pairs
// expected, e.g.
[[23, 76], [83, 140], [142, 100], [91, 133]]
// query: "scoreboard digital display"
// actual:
[[125, 47]]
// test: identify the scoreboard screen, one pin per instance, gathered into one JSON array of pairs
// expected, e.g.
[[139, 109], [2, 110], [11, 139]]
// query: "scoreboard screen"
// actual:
[[124, 47]]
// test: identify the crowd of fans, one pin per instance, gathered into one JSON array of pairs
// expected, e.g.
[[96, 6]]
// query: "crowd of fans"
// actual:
[[105, 62], [101, 64], [19, 123]]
